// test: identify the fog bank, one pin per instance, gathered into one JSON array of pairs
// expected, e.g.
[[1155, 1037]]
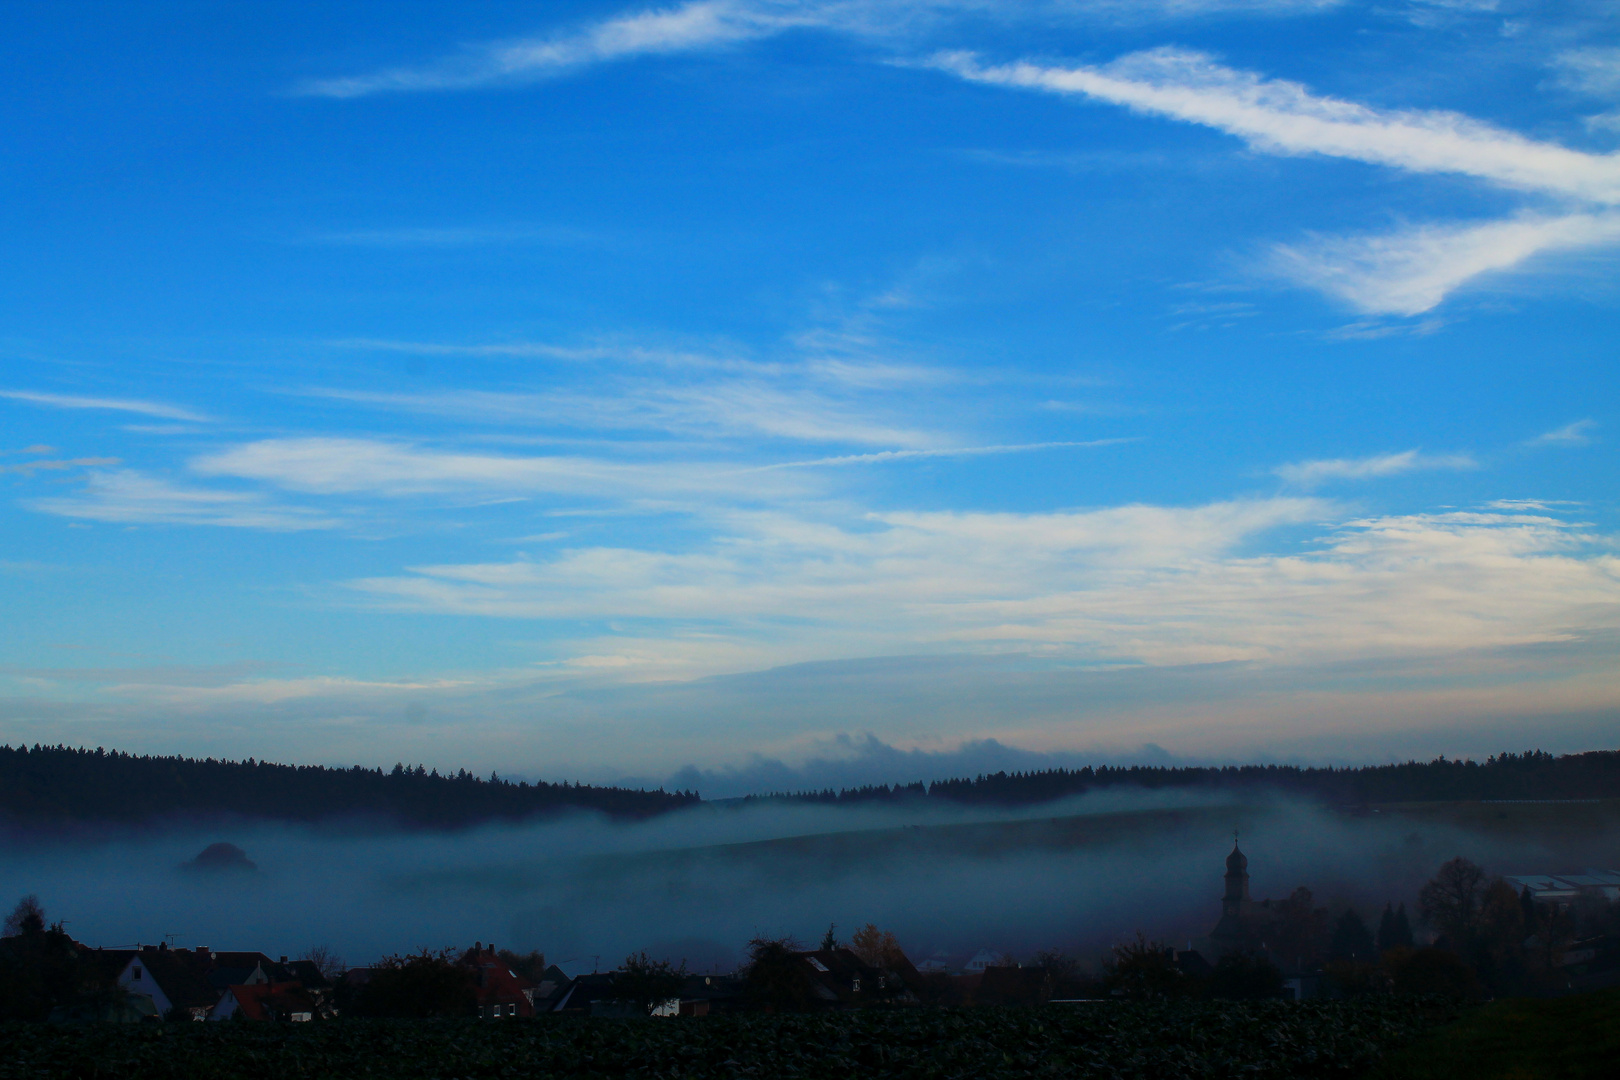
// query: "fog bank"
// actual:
[[697, 884]]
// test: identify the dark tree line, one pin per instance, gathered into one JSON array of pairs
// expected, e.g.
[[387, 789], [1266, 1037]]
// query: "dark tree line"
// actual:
[[45, 785], [57, 785], [1534, 774]]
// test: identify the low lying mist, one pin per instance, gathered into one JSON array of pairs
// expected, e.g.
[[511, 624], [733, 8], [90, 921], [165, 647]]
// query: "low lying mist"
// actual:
[[697, 884]]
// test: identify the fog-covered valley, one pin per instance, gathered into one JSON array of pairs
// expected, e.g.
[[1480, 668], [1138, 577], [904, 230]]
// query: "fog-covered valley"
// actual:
[[696, 885]]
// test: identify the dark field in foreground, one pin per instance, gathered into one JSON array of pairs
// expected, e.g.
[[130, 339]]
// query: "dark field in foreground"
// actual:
[[1106, 1039], [1569, 1038]]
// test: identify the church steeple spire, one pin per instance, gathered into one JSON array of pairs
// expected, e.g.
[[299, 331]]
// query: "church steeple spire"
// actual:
[[1237, 880]]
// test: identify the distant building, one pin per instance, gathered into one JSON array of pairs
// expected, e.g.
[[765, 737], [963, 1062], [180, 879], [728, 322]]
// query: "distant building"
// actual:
[[982, 959], [1562, 888], [1245, 924]]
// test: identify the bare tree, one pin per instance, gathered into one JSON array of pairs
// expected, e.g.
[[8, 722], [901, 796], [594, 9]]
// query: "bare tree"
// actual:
[[26, 918], [326, 961], [1451, 901]]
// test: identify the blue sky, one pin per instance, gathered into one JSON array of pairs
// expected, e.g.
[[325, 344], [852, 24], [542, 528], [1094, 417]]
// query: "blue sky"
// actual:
[[599, 389]]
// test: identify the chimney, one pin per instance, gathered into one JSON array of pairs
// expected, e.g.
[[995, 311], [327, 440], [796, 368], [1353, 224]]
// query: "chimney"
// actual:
[[283, 959], [202, 950]]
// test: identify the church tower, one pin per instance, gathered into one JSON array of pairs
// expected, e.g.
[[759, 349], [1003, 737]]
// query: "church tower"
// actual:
[[1245, 925], [1237, 884]]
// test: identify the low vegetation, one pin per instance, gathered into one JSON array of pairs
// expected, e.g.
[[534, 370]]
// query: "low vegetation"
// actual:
[[1568, 1038], [1152, 1041]]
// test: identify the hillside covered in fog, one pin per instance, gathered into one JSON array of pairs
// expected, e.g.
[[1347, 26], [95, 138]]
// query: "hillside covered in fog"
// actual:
[[1534, 774]]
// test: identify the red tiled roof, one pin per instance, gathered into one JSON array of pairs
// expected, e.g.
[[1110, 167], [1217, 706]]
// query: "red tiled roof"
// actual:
[[272, 1001], [497, 984]]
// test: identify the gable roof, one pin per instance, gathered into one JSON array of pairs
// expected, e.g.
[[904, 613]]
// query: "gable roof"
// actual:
[[840, 976], [495, 983], [272, 1000], [181, 974]]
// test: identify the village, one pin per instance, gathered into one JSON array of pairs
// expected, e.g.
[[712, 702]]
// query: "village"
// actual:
[[1471, 936]]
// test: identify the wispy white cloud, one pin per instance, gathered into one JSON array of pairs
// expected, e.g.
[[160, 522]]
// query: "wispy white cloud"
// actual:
[[1594, 70], [1405, 273], [713, 24], [128, 497], [963, 451], [130, 405], [707, 409], [453, 236], [820, 391], [894, 581], [1310, 474], [1377, 329], [1412, 271], [705, 24], [1139, 584], [676, 359], [389, 469], [29, 468], [1280, 117], [1577, 433]]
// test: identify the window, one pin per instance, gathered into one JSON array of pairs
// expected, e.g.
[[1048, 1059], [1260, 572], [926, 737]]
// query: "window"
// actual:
[[135, 973], [855, 984]]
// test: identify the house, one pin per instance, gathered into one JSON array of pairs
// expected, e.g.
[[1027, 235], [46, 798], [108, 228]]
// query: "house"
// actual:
[[841, 979], [594, 995], [175, 980], [702, 995], [982, 959], [1593, 963], [1563, 888], [189, 982], [500, 991], [554, 986], [283, 1001]]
